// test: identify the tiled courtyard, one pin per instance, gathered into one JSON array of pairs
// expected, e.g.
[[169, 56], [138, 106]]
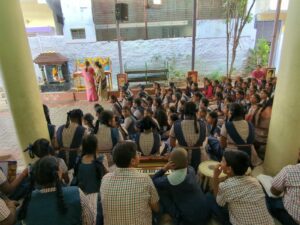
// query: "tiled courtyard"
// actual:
[[8, 139]]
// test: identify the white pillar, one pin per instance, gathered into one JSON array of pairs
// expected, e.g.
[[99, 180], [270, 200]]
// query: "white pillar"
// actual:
[[19, 77], [284, 135]]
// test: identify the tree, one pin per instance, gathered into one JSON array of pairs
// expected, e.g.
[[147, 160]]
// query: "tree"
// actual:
[[258, 55], [237, 16]]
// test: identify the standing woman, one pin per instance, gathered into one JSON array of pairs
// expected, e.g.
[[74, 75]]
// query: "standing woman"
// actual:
[[190, 134], [88, 74], [69, 137], [55, 204], [102, 82]]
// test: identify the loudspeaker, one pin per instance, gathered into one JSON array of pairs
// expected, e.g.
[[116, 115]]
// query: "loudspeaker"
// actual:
[[122, 11]]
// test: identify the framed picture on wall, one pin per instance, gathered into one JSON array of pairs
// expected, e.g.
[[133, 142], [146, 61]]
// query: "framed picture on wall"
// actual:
[[193, 75], [122, 80], [270, 72]]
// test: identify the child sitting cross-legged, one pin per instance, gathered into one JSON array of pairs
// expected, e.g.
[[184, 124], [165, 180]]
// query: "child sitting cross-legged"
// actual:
[[240, 196]]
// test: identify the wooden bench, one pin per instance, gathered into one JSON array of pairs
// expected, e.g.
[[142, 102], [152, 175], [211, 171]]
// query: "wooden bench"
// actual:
[[148, 73]]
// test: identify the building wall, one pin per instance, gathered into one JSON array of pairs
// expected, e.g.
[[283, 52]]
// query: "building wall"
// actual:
[[78, 15], [37, 15], [210, 52]]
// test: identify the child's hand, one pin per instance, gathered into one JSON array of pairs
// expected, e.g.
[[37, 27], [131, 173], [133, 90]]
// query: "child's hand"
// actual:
[[169, 166], [217, 171]]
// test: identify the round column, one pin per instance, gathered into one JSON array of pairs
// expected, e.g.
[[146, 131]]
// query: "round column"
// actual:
[[284, 135], [19, 77]]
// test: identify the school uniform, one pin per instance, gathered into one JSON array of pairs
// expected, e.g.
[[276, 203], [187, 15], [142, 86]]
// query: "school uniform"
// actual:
[[70, 137], [245, 199], [239, 134], [79, 211], [148, 143], [4, 211], [287, 208], [213, 147], [138, 112], [187, 138], [117, 109], [107, 138], [51, 130], [130, 126], [88, 175], [181, 197]]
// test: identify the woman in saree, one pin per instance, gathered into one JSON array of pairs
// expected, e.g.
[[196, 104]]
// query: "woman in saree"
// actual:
[[88, 74], [101, 80]]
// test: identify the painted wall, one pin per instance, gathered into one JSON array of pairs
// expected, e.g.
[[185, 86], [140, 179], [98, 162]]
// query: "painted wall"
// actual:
[[78, 14], [37, 15], [210, 52]]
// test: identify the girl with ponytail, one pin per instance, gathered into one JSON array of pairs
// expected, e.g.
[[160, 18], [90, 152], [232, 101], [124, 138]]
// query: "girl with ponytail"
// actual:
[[89, 169], [88, 121], [41, 148], [65, 205], [190, 134], [69, 137]]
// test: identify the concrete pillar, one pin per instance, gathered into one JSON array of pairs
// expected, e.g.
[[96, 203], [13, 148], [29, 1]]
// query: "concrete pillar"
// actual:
[[284, 135], [19, 77]]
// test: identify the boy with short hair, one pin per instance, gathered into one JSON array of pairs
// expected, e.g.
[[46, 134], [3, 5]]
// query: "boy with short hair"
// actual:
[[181, 196], [242, 194], [128, 197]]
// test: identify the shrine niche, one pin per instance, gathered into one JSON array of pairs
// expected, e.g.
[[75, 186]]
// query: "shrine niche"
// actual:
[[55, 72]]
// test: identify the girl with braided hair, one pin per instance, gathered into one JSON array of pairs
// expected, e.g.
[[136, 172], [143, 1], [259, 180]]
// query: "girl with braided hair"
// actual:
[[65, 205], [88, 172], [190, 134], [69, 137], [41, 148]]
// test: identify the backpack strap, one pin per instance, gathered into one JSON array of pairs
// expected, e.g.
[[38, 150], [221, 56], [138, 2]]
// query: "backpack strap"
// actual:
[[118, 107], [51, 129], [100, 169], [202, 133], [59, 136], [251, 135], [137, 139], [78, 136], [76, 167], [114, 136], [244, 146], [234, 135], [179, 133], [156, 143]]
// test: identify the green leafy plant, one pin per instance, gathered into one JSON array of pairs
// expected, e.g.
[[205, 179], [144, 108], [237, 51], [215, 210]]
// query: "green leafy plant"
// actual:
[[216, 75], [237, 16], [258, 55]]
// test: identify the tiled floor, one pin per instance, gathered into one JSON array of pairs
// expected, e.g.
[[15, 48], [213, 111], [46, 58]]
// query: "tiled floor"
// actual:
[[8, 139]]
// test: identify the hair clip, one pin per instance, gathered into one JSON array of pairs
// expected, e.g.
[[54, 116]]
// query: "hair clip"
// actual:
[[30, 150]]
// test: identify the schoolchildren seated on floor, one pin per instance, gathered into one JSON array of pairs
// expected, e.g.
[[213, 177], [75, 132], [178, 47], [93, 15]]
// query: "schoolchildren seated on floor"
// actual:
[[127, 195]]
